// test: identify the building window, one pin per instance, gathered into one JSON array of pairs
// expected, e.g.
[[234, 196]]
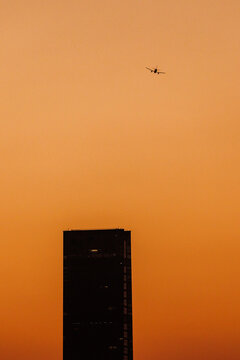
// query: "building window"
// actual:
[[112, 347]]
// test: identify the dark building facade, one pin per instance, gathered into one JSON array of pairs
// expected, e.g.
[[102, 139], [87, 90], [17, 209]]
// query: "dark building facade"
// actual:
[[97, 295]]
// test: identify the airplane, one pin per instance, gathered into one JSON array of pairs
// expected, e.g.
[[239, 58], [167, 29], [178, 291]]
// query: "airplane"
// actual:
[[155, 70]]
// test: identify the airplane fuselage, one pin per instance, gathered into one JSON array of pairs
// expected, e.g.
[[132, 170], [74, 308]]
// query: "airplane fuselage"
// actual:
[[155, 70]]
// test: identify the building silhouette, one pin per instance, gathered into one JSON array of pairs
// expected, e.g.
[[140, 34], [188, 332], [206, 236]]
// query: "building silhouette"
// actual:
[[97, 301]]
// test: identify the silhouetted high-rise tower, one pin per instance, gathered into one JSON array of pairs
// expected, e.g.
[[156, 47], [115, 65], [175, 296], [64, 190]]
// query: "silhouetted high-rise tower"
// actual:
[[97, 301]]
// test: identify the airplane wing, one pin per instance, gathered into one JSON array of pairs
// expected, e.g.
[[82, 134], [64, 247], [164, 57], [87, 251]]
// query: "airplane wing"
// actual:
[[149, 69], [161, 72]]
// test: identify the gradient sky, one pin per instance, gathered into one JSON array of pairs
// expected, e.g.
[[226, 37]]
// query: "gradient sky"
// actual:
[[90, 139]]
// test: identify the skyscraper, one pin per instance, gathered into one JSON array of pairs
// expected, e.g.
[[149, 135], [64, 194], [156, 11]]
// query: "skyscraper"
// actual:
[[97, 301]]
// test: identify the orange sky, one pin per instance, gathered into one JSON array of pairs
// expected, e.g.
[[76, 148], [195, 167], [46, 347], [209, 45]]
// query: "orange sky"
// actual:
[[90, 139]]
